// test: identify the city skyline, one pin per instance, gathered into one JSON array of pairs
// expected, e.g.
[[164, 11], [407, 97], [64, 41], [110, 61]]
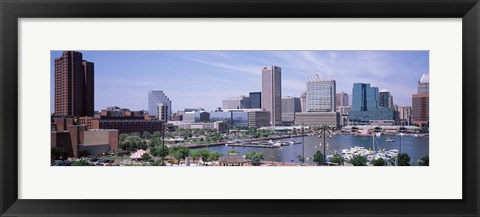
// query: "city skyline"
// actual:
[[205, 78]]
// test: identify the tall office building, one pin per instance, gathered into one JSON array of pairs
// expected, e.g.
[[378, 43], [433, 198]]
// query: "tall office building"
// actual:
[[420, 102], [290, 106], [321, 95], [365, 98], [386, 99], [423, 84], [241, 102], [74, 85], [255, 99], [272, 93], [405, 114], [163, 109], [342, 99], [366, 107], [155, 97]]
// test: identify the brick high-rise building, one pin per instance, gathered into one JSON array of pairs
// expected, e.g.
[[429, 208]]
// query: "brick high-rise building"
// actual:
[[420, 103], [272, 93], [74, 85]]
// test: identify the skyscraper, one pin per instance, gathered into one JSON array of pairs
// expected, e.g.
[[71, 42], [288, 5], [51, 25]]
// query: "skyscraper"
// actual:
[[405, 114], [321, 94], [163, 109], [420, 102], [255, 99], [366, 106], [423, 84], [365, 98], [342, 99], [241, 102], [74, 85], [272, 93], [155, 97], [386, 99], [290, 106]]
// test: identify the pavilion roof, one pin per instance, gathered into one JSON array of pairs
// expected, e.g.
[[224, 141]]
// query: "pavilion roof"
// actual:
[[232, 158]]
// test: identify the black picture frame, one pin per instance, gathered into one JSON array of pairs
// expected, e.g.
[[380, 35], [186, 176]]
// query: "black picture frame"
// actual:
[[12, 10]]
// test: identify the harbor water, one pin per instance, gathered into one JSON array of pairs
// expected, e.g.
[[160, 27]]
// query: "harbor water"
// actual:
[[415, 147]]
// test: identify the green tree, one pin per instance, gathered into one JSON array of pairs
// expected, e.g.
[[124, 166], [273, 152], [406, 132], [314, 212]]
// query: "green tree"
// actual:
[[155, 141], [135, 134], [122, 137], [252, 154], [81, 163], [159, 151], [146, 135], [379, 162], [256, 161], [403, 159], [204, 155], [157, 134], [337, 158], [179, 152], [195, 155], [58, 153], [358, 160], [133, 143], [424, 161], [214, 156], [147, 157], [319, 158], [232, 151]]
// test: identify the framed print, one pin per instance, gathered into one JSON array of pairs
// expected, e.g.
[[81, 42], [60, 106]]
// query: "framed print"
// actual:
[[201, 108]]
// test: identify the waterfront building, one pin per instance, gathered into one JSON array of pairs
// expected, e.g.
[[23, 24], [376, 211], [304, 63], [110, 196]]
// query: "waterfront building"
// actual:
[[272, 93], [321, 94], [235, 119], [200, 116], [123, 125], [241, 102], [331, 119], [258, 119], [420, 110], [366, 106], [420, 102], [255, 99], [156, 97], [74, 85], [385, 99], [404, 114], [343, 111], [290, 105], [342, 99], [73, 137], [220, 126], [423, 84]]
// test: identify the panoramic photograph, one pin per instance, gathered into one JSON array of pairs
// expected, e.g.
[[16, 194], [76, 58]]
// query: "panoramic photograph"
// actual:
[[239, 108]]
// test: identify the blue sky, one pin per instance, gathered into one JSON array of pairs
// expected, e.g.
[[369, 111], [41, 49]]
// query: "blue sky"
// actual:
[[193, 79]]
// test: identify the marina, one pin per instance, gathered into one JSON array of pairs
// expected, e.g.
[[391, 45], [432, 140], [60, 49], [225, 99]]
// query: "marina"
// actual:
[[347, 145]]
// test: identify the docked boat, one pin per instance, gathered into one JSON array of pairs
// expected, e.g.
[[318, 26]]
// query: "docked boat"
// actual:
[[277, 144]]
